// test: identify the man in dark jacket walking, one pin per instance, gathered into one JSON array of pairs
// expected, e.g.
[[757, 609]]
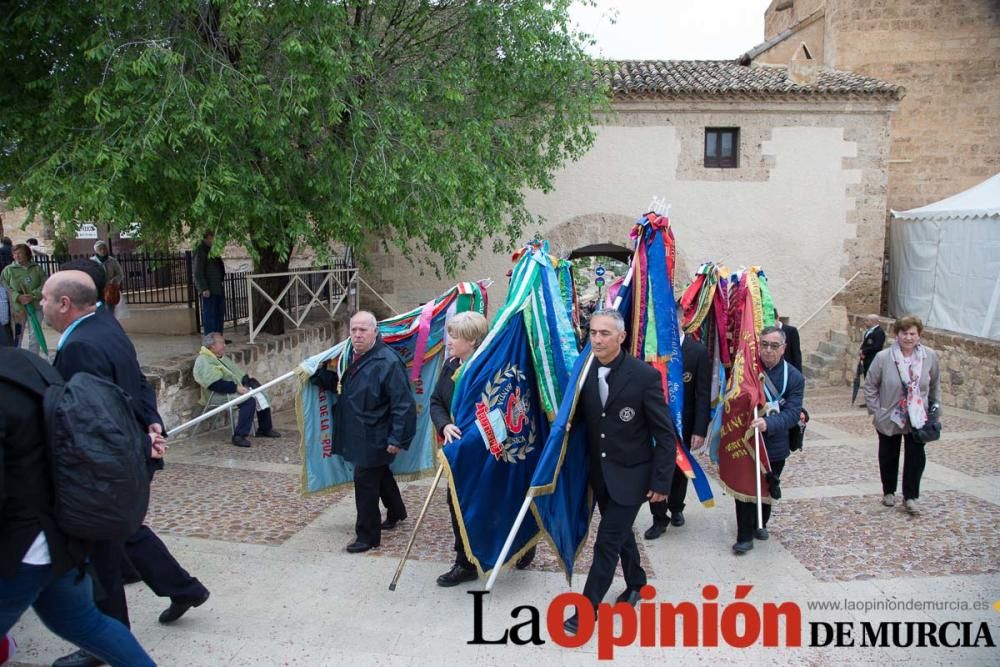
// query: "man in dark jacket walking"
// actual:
[[694, 421], [623, 407], [92, 341], [375, 417], [39, 564], [209, 276], [783, 388], [872, 342]]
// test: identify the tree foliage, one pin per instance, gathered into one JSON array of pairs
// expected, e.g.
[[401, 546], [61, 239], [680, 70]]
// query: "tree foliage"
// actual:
[[416, 123]]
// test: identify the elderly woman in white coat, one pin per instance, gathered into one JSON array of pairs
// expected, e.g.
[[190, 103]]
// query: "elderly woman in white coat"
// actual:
[[902, 385]]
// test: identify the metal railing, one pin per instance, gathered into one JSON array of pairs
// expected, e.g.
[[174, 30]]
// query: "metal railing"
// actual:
[[164, 278], [304, 291]]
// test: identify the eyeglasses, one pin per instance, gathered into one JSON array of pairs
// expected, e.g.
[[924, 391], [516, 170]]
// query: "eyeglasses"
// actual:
[[770, 346]]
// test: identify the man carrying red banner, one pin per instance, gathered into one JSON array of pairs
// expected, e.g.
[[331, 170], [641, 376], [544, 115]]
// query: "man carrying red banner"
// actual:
[[779, 388]]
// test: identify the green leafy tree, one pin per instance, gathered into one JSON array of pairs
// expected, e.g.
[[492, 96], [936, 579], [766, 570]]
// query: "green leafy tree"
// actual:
[[416, 124]]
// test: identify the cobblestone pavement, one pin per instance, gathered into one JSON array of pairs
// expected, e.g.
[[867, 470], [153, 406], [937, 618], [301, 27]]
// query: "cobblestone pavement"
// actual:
[[285, 592]]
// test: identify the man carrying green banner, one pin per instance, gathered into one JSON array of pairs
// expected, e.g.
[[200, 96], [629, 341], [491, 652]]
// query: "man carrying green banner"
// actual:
[[23, 281]]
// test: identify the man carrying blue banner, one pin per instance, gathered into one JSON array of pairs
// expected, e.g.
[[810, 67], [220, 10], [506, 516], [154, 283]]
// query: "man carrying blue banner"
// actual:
[[375, 416], [624, 409]]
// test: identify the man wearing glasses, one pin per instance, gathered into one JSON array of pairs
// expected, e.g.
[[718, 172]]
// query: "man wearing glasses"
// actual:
[[783, 389]]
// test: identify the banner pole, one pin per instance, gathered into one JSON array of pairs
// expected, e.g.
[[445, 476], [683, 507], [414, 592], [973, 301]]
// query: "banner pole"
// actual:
[[416, 527], [527, 498], [756, 445], [225, 406]]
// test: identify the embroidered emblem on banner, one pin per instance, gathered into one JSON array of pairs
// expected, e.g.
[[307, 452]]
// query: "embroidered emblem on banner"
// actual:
[[626, 414], [502, 416]]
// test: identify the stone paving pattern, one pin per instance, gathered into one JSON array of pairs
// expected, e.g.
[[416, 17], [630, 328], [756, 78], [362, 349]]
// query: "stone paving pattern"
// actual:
[[860, 425], [435, 541], [231, 504], [975, 457], [285, 592], [848, 538]]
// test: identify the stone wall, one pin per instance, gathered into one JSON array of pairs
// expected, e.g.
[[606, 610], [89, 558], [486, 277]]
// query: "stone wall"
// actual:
[[970, 366], [178, 396], [946, 53]]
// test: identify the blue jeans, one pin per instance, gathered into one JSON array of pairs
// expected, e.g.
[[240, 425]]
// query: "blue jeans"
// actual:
[[213, 313], [66, 607]]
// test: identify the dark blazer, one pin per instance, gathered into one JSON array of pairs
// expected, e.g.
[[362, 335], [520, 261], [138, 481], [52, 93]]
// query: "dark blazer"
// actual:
[[776, 436], [793, 347], [697, 388], [375, 407], [100, 347], [872, 344], [26, 494], [621, 434], [147, 396], [444, 391], [209, 272]]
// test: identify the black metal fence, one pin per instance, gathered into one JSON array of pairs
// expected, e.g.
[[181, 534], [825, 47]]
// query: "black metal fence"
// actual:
[[169, 279]]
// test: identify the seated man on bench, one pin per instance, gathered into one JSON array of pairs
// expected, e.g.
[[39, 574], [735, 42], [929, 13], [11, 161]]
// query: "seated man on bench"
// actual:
[[217, 373]]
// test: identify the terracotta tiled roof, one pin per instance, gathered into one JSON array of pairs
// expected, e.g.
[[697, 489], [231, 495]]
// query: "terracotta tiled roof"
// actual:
[[631, 79]]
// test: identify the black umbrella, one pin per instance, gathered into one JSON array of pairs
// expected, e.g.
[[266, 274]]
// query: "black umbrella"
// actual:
[[857, 382]]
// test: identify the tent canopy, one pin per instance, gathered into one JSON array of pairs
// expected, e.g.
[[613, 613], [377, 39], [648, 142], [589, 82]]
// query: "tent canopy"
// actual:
[[945, 262], [981, 201]]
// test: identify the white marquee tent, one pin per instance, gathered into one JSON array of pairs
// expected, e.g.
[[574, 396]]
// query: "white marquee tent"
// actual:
[[945, 262]]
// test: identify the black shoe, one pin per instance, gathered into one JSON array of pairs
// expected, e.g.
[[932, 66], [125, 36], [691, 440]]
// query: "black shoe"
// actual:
[[741, 548], [654, 531], [390, 523], [268, 434], [572, 624], [761, 534], [359, 547], [629, 595], [241, 441], [677, 519], [524, 561], [79, 658], [178, 608], [457, 575]]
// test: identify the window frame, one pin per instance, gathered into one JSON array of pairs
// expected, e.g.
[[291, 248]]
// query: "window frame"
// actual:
[[716, 160]]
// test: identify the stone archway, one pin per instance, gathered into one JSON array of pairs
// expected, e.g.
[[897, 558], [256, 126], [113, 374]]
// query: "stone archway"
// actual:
[[598, 229]]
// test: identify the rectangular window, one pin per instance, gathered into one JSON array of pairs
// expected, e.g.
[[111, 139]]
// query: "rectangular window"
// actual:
[[722, 147]]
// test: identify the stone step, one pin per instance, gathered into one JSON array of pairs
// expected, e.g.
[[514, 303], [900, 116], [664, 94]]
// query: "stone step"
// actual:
[[820, 359], [811, 373], [840, 338], [830, 348]]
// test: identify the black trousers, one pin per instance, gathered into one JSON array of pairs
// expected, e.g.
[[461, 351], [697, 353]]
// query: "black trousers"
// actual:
[[914, 462], [245, 420], [746, 513], [154, 562], [674, 501], [615, 540], [460, 558], [370, 486]]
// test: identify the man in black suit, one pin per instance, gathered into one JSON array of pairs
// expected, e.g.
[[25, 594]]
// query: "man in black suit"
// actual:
[[93, 342], [623, 407], [697, 399], [872, 342], [793, 347]]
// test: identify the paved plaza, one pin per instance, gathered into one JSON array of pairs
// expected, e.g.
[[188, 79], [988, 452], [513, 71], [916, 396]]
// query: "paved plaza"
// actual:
[[285, 592]]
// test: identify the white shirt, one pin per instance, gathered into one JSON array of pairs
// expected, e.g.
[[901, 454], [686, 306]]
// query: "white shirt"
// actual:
[[38, 552]]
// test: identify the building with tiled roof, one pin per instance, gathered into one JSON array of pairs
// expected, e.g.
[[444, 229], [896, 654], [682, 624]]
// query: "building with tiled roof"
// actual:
[[782, 166], [638, 79]]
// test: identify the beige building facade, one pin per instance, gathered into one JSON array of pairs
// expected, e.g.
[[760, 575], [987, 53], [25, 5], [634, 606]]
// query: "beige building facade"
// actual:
[[806, 201]]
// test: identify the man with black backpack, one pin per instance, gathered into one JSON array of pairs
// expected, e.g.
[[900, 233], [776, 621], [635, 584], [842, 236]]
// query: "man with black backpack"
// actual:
[[40, 565], [93, 343]]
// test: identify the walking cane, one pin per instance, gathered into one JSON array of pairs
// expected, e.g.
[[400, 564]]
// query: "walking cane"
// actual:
[[416, 527], [756, 445]]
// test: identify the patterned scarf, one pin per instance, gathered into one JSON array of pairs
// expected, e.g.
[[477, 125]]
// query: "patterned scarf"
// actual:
[[911, 406]]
